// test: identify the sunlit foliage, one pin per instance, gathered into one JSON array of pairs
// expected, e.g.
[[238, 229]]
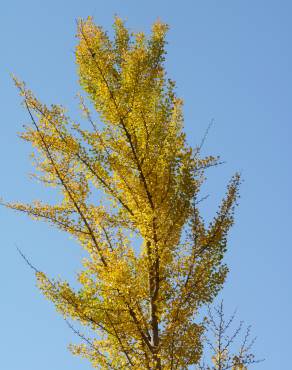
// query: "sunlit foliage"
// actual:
[[131, 177]]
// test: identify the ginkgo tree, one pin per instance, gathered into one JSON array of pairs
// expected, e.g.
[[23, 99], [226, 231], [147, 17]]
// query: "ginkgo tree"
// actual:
[[130, 197]]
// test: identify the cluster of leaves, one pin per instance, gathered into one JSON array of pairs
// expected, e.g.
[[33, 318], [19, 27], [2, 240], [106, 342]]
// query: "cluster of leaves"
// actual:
[[141, 303]]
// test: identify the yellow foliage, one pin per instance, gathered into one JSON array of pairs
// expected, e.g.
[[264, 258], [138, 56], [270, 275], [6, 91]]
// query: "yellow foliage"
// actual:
[[141, 302]]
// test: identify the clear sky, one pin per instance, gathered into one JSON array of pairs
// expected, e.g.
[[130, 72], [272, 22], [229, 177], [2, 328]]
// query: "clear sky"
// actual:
[[232, 62]]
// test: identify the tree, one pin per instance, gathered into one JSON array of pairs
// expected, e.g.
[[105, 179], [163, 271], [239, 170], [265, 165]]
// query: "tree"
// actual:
[[130, 197], [224, 355]]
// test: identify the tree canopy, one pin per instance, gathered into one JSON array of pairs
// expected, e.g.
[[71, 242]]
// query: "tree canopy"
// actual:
[[130, 190]]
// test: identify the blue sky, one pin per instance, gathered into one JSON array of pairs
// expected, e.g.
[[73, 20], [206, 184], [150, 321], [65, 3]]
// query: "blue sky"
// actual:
[[232, 63]]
